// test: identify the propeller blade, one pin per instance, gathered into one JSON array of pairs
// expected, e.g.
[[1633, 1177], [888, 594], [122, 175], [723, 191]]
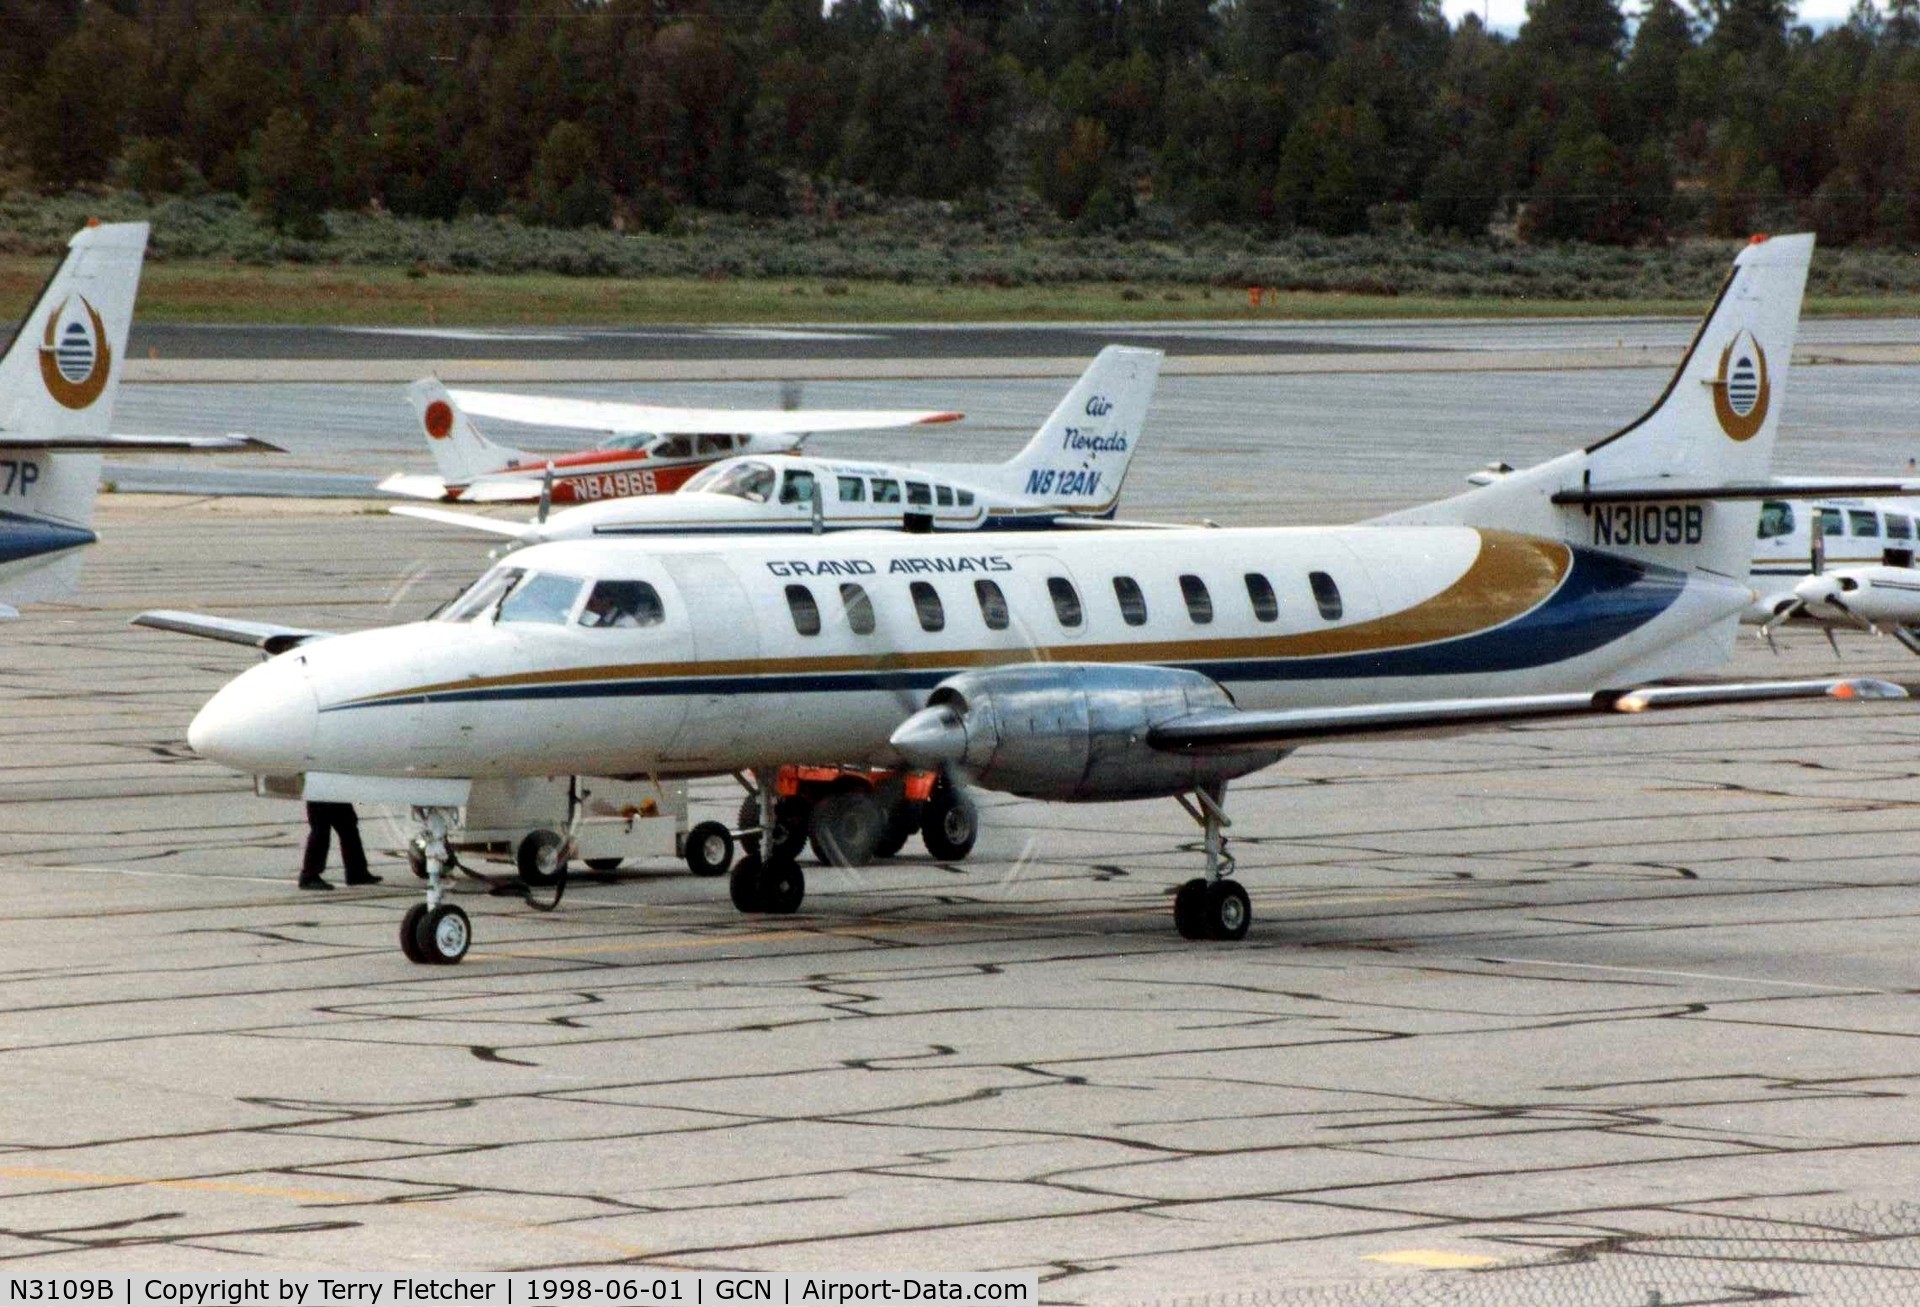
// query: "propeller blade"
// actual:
[[1832, 641], [1907, 636], [1786, 614]]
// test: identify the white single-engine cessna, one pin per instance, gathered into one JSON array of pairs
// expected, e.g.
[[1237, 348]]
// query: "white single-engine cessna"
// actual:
[[58, 383], [1073, 467], [1071, 666]]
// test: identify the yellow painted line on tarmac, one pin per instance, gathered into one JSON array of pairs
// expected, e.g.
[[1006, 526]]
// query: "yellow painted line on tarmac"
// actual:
[[1434, 1259]]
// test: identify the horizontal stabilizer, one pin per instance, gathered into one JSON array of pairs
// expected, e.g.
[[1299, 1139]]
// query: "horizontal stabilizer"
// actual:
[[611, 416], [234, 444], [506, 491], [1667, 491], [229, 630], [1230, 729], [415, 486], [471, 521]]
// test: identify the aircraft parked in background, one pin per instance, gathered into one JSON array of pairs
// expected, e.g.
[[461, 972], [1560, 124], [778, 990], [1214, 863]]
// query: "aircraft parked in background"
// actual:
[[1057, 665], [58, 383], [1074, 466], [651, 449]]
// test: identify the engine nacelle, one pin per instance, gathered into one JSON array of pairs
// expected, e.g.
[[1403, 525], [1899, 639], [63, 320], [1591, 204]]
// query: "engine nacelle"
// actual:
[[1074, 732]]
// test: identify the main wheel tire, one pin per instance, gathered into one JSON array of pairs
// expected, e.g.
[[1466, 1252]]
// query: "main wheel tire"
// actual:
[[444, 934], [541, 858], [789, 825], [1229, 912], [1190, 910], [783, 886], [902, 822], [410, 933], [417, 857], [950, 824], [847, 827], [743, 885], [709, 849], [604, 864]]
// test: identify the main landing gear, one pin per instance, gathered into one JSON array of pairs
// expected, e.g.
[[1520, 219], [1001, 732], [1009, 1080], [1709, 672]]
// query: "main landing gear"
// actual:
[[769, 881], [435, 931], [1212, 907]]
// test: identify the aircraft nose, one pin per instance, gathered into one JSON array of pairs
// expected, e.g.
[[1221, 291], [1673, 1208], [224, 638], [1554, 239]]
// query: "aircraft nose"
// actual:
[[261, 722]]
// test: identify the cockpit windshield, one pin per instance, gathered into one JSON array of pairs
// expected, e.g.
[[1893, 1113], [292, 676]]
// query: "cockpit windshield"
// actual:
[[482, 595], [541, 597], [631, 440], [749, 480]]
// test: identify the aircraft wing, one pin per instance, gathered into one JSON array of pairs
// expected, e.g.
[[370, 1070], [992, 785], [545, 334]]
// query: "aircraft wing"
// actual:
[[1224, 730], [471, 521], [237, 444], [260, 635], [612, 415]]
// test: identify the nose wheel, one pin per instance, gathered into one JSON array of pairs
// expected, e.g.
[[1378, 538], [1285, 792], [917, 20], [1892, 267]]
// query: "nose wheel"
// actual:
[[1211, 906], [435, 932]]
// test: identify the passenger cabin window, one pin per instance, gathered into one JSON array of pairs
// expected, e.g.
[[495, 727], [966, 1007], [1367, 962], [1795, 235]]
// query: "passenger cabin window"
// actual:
[[886, 492], [1776, 519], [1266, 605], [926, 606], [622, 603], [483, 594], [1898, 527], [943, 496], [964, 497], [1066, 601], [1863, 524], [674, 447], [1326, 595], [1199, 602], [1133, 604], [1829, 519], [859, 608], [919, 493], [993, 605], [806, 613], [713, 446], [853, 490], [798, 488], [542, 597]]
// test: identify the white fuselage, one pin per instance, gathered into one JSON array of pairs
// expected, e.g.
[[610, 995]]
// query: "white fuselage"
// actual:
[[688, 657], [1853, 533]]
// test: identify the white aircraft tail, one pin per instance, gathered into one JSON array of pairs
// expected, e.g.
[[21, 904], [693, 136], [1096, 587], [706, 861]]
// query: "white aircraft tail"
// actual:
[[1678, 486], [59, 378], [459, 450], [1079, 456]]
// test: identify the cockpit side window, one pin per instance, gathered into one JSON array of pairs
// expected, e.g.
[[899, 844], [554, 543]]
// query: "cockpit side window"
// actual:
[[631, 440], [623, 603], [712, 446], [674, 447], [542, 597], [483, 594], [752, 481], [1776, 519]]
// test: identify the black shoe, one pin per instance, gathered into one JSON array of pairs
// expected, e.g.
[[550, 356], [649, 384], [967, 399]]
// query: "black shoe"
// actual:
[[313, 882], [364, 878]]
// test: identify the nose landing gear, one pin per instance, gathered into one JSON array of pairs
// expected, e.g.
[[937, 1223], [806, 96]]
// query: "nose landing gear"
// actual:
[[435, 932]]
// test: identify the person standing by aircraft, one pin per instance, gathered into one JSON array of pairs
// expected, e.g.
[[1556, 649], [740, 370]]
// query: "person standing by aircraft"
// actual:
[[325, 820]]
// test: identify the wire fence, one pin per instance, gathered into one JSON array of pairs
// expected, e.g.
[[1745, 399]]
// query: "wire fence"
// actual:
[[1865, 1255]]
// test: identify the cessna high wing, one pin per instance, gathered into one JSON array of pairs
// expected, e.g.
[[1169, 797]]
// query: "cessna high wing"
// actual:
[[1073, 467], [58, 382], [1070, 666], [649, 449]]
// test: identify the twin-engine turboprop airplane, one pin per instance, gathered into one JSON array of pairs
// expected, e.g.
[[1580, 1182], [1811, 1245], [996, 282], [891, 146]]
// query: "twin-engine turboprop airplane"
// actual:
[[1074, 666], [650, 449], [58, 382], [1073, 467]]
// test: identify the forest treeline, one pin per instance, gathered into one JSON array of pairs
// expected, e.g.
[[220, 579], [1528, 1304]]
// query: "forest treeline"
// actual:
[[1331, 116]]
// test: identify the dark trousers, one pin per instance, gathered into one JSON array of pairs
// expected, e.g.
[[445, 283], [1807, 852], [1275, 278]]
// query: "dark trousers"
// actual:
[[334, 818]]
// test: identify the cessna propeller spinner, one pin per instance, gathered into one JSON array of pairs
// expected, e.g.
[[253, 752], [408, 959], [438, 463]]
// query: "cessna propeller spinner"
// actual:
[[58, 383], [1070, 666], [650, 449], [1072, 469]]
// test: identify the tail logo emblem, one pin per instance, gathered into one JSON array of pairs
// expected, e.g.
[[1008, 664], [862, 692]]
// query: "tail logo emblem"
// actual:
[[75, 359], [1742, 391], [439, 419]]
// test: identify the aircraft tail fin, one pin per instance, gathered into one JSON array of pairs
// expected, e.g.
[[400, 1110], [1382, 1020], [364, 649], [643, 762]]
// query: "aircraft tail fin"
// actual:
[[1675, 486], [59, 378], [1078, 458], [459, 450]]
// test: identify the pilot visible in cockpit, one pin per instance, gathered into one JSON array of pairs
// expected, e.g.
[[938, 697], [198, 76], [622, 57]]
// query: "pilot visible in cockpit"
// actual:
[[622, 603]]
